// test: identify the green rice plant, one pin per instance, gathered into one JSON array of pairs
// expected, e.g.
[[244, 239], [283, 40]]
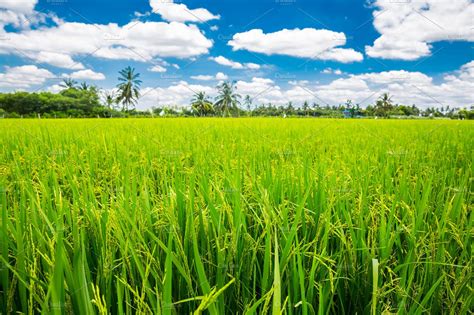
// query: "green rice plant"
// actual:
[[236, 216]]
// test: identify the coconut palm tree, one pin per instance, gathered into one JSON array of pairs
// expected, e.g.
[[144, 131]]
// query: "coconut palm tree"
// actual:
[[68, 84], [383, 105], [248, 103], [109, 98], [306, 108], [84, 86], [129, 88], [227, 99], [201, 104]]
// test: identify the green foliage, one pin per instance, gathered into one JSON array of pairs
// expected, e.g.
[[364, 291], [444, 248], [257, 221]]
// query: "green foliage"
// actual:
[[236, 216], [128, 88], [69, 83], [227, 100], [69, 102], [201, 104], [383, 106]]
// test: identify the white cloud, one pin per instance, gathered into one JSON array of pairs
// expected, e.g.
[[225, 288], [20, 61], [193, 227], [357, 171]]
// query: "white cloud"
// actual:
[[234, 64], [157, 68], [178, 94], [139, 41], [298, 82], [303, 43], [214, 28], [87, 75], [55, 88], [24, 76], [332, 71], [175, 12], [227, 62], [203, 77], [56, 59], [14, 18], [261, 90], [22, 6], [408, 28], [21, 14], [252, 66], [397, 76], [406, 87], [340, 90], [219, 77]]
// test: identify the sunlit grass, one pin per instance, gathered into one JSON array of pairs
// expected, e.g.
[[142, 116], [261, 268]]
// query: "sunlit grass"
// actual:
[[298, 216]]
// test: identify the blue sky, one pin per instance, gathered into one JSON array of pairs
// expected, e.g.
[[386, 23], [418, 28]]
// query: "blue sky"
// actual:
[[276, 50]]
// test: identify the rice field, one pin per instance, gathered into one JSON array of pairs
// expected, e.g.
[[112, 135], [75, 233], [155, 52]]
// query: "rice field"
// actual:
[[236, 216]]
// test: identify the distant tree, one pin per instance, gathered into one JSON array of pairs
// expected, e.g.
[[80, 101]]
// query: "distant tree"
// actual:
[[84, 86], [110, 99], [248, 102], [69, 101], [306, 108], [348, 106], [289, 110], [201, 104], [129, 88], [227, 99], [68, 84], [383, 105]]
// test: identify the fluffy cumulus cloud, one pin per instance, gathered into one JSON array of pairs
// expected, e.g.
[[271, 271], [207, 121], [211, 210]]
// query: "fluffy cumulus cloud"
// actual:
[[332, 71], [261, 90], [55, 88], [21, 14], [408, 28], [219, 77], [303, 43], [177, 94], [16, 12], [157, 68], [87, 75], [234, 64], [55, 59], [139, 41], [23, 77], [24, 6], [161, 66], [406, 87], [179, 12]]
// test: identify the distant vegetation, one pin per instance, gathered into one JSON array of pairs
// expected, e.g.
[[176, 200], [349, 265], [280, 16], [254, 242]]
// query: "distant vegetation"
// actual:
[[83, 100]]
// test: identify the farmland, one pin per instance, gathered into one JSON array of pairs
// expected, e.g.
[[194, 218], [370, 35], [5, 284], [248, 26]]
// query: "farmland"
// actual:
[[222, 216]]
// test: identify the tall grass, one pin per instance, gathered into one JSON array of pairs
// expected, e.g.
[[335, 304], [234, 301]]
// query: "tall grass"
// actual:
[[226, 216]]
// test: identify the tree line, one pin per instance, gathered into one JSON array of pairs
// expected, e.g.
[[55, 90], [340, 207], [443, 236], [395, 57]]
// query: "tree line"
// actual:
[[84, 100]]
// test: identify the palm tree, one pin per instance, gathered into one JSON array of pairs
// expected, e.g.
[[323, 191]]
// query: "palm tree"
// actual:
[[227, 99], [68, 84], [110, 99], [129, 88], [84, 86], [306, 108], [383, 105], [201, 104], [289, 108], [248, 102]]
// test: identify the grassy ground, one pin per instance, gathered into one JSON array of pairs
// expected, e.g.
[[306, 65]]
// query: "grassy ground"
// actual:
[[221, 216]]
